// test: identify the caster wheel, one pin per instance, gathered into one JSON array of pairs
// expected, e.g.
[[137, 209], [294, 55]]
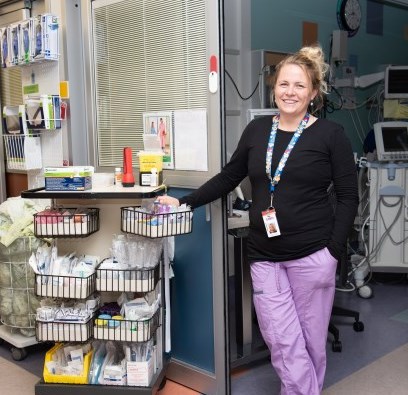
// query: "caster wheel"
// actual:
[[336, 346], [358, 326], [365, 292], [18, 354]]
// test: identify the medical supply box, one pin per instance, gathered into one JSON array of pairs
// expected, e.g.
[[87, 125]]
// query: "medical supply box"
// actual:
[[68, 178], [149, 160]]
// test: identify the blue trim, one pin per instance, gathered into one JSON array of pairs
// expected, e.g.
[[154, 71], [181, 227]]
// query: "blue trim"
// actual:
[[192, 329]]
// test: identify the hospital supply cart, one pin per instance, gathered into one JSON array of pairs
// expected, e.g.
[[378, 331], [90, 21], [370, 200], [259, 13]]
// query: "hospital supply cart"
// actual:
[[112, 201]]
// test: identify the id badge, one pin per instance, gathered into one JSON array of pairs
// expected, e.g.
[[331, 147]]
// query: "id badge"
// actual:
[[271, 223]]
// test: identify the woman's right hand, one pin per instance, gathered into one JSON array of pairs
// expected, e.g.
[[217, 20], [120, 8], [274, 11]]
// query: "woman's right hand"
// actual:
[[168, 200]]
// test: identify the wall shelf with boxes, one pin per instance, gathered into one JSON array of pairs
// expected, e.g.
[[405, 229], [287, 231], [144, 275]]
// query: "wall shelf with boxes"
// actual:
[[30, 41], [133, 223], [22, 152], [34, 131], [23, 128]]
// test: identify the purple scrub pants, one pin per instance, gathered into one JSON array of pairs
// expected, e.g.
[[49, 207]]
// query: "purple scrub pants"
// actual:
[[293, 302]]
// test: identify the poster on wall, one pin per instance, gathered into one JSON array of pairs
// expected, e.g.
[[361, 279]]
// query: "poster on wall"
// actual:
[[191, 140], [158, 135]]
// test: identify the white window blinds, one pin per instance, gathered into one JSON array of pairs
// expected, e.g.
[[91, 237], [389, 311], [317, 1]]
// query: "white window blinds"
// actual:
[[150, 55], [11, 90]]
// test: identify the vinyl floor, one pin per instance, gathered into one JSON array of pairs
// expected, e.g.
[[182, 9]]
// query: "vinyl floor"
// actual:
[[371, 362]]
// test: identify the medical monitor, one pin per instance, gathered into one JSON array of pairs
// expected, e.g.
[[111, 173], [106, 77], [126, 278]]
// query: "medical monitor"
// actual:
[[396, 82], [260, 112], [391, 140]]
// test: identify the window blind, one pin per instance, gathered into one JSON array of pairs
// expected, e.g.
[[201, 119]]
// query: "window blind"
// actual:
[[149, 56], [11, 90]]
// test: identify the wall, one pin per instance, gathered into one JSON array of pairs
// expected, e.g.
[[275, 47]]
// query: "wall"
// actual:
[[277, 26], [15, 183]]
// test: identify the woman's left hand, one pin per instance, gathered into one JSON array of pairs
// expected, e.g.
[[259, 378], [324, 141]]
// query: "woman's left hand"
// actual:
[[169, 200]]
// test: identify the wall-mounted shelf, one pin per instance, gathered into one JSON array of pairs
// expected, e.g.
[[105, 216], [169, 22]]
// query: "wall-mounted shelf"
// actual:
[[105, 192], [22, 152]]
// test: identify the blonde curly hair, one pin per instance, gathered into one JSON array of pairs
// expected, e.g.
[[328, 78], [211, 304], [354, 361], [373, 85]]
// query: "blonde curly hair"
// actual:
[[310, 59]]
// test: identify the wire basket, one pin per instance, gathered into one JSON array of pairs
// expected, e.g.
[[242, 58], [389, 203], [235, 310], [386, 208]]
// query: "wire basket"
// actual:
[[68, 287], [20, 323], [66, 222], [23, 152], [136, 280], [64, 331], [127, 330], [138, 222], [18, 302]]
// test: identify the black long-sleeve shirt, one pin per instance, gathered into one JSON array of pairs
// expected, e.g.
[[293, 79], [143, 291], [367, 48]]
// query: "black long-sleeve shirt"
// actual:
[[303, 206]]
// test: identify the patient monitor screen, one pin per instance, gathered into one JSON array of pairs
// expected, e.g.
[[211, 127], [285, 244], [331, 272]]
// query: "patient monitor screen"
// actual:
[[398, 82], [395, 139]]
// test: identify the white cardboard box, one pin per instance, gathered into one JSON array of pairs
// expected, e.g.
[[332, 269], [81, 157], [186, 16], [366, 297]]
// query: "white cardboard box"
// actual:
[[140, 373], [24, 47], [13, 43]]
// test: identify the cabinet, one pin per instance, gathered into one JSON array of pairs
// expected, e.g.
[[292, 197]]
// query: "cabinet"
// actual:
[[110, 201]]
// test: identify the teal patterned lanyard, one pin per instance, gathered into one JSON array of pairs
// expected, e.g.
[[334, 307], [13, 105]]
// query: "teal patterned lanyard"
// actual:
[[285, 156]]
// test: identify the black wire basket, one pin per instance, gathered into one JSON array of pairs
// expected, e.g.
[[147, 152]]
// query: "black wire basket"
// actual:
[[68, 287], [66, 223], [128, 280], [127, 330], [138, 222], [64, 331]]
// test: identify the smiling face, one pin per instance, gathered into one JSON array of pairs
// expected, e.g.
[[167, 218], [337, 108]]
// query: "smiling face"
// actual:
[[293, 91]]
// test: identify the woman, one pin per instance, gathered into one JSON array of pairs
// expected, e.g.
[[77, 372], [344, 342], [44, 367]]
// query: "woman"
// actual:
[[153, 128], [162, 133], [291, 160]]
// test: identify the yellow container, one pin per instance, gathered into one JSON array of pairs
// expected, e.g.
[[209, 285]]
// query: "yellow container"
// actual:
[[149, 160], [65, 379]]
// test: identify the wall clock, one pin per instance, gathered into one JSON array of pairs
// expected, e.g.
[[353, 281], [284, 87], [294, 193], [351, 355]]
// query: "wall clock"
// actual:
[[349, 15]]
